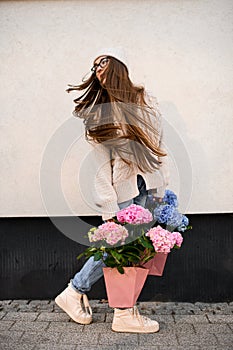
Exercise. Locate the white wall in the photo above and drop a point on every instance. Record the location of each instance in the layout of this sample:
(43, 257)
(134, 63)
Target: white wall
(180, 50)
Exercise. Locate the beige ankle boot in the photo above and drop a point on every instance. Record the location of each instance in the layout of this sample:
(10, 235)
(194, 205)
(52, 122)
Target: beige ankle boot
(129, 320)
(75, 304)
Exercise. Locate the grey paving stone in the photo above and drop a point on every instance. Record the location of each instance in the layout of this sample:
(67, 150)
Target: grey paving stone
(194, 339)
(202, 305)
(169, 308)
(213, 328)
(152, 308)
(11, 345)
(10, 335)
(191, 319)
(54, 347)
(97, 328)
(40, 337)
(24, 316)
(98, 317)
(109, 317)
(220, 305)
(220, 318)
(45, 308)
(162, 318)
(97, 302)
(20, 301)
(148, 307)
(27, 308)
(118, 339)
(5, 325)
(53, 316)
(215, 308)
(39, 302)
(158, 339)
(216, 347)
(65, 327)
(230, 325)
(149, 347)
(78, 338)
(176, 328)
(180, 311)
(225, 339)
(102, 309)
(18, 304)
(97, 347)
(179, 347)
(5, 302)
(2, 314)
(29, 326)
(9, 307)
(56, 308)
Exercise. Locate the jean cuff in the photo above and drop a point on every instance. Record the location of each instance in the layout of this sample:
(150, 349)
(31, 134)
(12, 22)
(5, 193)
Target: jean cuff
(75, 288)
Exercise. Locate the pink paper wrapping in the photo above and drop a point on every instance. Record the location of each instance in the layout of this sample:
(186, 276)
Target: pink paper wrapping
(157, 264)
(123, 289)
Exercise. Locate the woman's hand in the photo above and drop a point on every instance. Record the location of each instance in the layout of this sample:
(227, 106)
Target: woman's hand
(155, 199)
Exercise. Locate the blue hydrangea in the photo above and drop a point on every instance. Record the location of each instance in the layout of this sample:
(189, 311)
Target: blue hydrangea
(184, 223)
(167, 212)
(169, 215)
(170, 198)
(163, 213)
(175, 220)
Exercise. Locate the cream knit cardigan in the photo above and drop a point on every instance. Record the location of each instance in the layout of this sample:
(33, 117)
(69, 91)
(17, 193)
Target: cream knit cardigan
(104, 184)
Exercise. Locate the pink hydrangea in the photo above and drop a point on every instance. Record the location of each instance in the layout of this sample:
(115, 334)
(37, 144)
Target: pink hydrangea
(163, 240)
(134, 214)
(111, 232)
(178, 237)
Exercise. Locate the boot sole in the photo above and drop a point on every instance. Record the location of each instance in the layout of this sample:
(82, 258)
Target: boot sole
(59, 301)
(131, 330)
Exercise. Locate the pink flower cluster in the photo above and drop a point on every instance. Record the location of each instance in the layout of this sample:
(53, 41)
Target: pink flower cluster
(110, 232)
(178, 237)
(163, 240)
(134, 214)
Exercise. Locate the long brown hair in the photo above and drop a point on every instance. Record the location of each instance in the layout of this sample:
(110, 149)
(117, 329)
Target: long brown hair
(116, 114)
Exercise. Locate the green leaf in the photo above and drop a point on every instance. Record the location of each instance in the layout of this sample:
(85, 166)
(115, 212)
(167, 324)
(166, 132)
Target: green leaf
(110, 263)
(80, 255)
(97, 256)
(135, 256)
(120, 269)
(117, 257)
(148, 258)
(147, 244)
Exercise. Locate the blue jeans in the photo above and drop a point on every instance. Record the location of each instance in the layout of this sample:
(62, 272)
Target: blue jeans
(92, 270)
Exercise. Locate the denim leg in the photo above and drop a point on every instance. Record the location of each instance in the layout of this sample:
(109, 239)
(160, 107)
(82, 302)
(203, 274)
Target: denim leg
(142, 197)
(90, 273)
(125, 204)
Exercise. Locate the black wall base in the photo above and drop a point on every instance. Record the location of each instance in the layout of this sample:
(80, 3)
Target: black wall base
(37, 261)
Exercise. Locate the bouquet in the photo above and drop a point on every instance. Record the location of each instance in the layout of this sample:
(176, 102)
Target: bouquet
(167, 214)
(131, 240)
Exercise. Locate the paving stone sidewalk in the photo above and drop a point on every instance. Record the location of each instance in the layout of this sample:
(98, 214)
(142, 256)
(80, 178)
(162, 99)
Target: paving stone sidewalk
(42, 325)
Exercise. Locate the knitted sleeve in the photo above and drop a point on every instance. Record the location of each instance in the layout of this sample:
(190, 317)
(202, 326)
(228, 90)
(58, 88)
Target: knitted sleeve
(105, 197)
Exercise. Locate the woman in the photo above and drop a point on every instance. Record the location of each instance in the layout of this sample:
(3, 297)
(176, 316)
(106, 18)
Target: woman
(123, 127)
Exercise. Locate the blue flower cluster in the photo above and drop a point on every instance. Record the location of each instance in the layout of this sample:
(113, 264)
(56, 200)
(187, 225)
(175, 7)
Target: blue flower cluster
(170, 198)
(167, 213)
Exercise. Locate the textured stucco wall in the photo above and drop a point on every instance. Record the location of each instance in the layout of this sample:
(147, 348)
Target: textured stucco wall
(180, 50)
